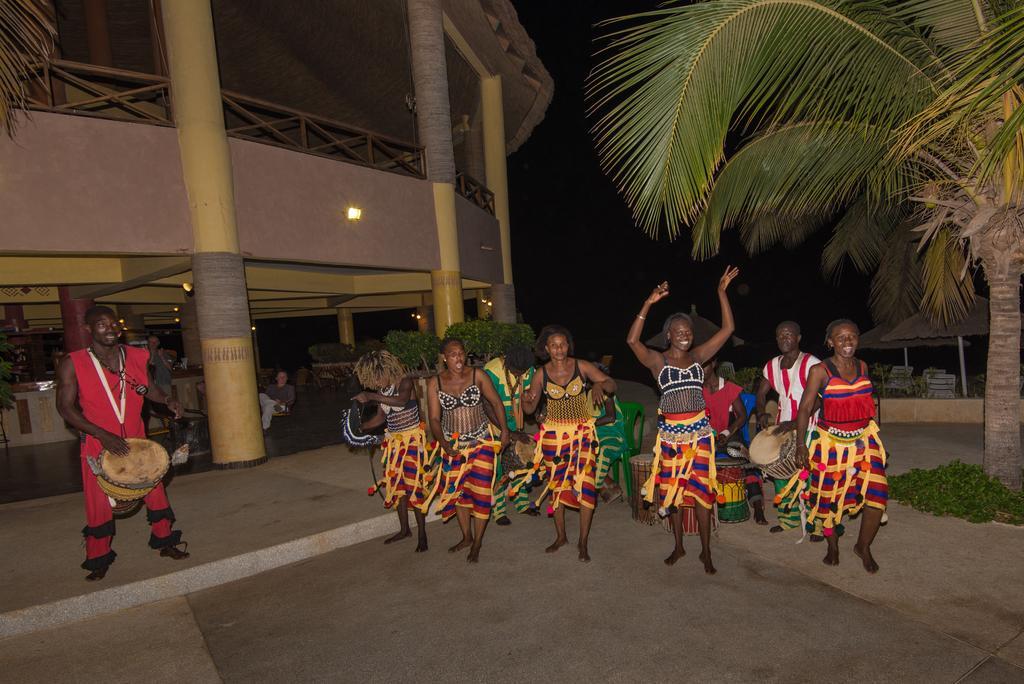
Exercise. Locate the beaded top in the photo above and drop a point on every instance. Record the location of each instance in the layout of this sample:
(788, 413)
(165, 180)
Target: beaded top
(681, 388)
(569, 402)
(400, 418)
(463, 414)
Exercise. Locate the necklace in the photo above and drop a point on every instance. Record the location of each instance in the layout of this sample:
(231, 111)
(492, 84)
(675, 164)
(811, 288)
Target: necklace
(122, 376)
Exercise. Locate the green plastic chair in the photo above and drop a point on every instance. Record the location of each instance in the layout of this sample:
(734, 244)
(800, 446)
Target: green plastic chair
(633, 421)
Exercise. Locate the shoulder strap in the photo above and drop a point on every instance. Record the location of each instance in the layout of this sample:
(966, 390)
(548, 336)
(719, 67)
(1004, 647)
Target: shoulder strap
(830, 368)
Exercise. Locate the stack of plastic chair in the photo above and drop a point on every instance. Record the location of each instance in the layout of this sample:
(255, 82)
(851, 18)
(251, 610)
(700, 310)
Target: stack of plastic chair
(633, 419)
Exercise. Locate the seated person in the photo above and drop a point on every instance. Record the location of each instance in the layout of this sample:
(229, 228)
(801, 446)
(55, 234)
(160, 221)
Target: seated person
(277, 398)
(728, 415)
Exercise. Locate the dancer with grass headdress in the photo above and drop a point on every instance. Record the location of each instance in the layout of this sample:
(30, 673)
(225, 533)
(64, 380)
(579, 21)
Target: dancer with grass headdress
(683, 469)
(846, 458)
(405, 449)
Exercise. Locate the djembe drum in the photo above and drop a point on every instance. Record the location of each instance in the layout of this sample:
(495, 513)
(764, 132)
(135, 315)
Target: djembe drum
(645, 513)
(774, 451)
(127, 479)
(732, 501)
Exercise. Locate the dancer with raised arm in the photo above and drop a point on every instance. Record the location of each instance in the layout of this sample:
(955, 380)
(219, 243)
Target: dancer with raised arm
(684, 454)
(457, 420)
(404, 455)
(567, 448)
(846, 458)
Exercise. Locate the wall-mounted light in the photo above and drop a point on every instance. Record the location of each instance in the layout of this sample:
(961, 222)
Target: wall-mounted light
(417, 316)
(177, 320)
(353, 213)
(187, 287)
(121, 321)
(254, 328)
(176, 309)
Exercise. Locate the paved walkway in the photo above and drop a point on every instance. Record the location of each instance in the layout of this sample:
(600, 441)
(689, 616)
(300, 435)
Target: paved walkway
(947, 606)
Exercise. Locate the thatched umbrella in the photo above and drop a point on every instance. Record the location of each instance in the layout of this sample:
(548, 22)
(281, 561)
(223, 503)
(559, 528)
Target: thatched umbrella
(874, 339)
(703, 330)
(919, 331)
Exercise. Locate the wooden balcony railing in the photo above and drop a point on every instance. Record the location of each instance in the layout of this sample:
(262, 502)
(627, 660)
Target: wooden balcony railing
(474, 191)
(88, 90)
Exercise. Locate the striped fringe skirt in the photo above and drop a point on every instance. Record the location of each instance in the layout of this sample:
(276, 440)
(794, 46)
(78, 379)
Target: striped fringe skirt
(683, 470)
(566, 456)
(403, 462)
(466, 480)
(846, 474)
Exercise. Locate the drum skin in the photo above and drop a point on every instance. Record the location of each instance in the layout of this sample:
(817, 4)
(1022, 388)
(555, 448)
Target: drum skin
(131, 477)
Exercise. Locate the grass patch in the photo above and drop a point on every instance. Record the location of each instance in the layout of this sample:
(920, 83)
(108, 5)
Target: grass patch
(960, 490)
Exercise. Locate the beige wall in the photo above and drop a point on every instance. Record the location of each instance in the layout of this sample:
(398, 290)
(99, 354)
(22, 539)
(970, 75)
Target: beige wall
(476, 228)
(78, 184)
(291, 206)
(935, 411)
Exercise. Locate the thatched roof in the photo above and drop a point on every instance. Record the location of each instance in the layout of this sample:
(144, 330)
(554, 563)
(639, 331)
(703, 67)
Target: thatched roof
(874, 339)
(703, 330)
(918, 328)
(346, 60)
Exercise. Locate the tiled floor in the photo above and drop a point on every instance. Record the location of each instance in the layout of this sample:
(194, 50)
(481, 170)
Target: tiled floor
(32, 472)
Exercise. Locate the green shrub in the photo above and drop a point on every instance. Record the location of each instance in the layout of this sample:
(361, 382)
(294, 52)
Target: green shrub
(747, 378)
(960, 490)
(6, 394)
(332, 352)
(487, 339)
(417, 350)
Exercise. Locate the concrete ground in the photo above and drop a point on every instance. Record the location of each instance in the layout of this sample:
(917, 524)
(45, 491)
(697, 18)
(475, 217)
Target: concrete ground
(773, 613)
(947, 605)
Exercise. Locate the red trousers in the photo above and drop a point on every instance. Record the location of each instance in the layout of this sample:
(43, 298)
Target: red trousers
(99, 521)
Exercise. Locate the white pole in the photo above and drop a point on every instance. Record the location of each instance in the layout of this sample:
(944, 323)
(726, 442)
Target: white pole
(906, 358)
(963, 369)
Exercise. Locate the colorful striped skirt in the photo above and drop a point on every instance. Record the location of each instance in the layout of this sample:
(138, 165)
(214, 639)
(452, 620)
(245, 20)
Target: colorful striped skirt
(683, 470)
(566, 456)
(847, 473)
(403, 462)
(466, 480)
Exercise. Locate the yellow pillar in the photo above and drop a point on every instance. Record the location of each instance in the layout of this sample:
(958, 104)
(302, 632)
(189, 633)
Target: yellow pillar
(219, 274)
(446, 283)
(346, 327)
(502, 294)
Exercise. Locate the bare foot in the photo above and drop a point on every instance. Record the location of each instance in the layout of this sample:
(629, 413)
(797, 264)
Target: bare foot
(466, 542)
(559, 543)
(474, 555)
(398, 536)
(676, 554)
(816, 538)
(865, 555)
(584, 555)
(705, 558)
(421, 546)
(832, 557)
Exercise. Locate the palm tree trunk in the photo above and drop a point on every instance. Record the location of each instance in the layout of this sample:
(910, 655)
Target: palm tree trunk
(1002, 377)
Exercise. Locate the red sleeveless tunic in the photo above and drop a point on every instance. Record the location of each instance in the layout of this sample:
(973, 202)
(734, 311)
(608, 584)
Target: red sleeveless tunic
(95, 405)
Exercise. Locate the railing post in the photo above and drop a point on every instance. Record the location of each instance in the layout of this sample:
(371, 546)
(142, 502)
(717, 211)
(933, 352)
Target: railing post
(369, 150)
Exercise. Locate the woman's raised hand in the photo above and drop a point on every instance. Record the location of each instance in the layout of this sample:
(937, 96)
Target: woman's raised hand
(730, 273)
(659, 293)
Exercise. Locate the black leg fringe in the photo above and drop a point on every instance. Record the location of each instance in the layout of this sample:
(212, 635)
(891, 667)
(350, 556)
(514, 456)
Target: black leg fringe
(173, 539)
(100, 563)
(100, 531)
(162, 514)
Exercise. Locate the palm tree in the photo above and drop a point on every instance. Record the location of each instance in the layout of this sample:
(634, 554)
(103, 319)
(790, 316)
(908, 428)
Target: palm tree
(26, 38)
(896, 123)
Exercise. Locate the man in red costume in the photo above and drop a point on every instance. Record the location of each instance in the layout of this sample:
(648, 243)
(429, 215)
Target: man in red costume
(100, 394)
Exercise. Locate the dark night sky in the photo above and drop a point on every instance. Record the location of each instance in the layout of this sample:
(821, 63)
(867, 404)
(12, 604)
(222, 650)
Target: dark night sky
(579, 260)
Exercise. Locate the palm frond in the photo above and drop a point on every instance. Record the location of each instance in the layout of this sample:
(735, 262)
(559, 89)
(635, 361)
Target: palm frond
(896, 285)
(860, 236)
(671, 86)
(947, 291)
(26, 38)
(991, 70)
(952, 24)
(790, 172)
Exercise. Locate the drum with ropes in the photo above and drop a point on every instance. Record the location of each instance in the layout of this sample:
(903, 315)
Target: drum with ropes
(775, 452)
(732, 492)
(127, 479)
